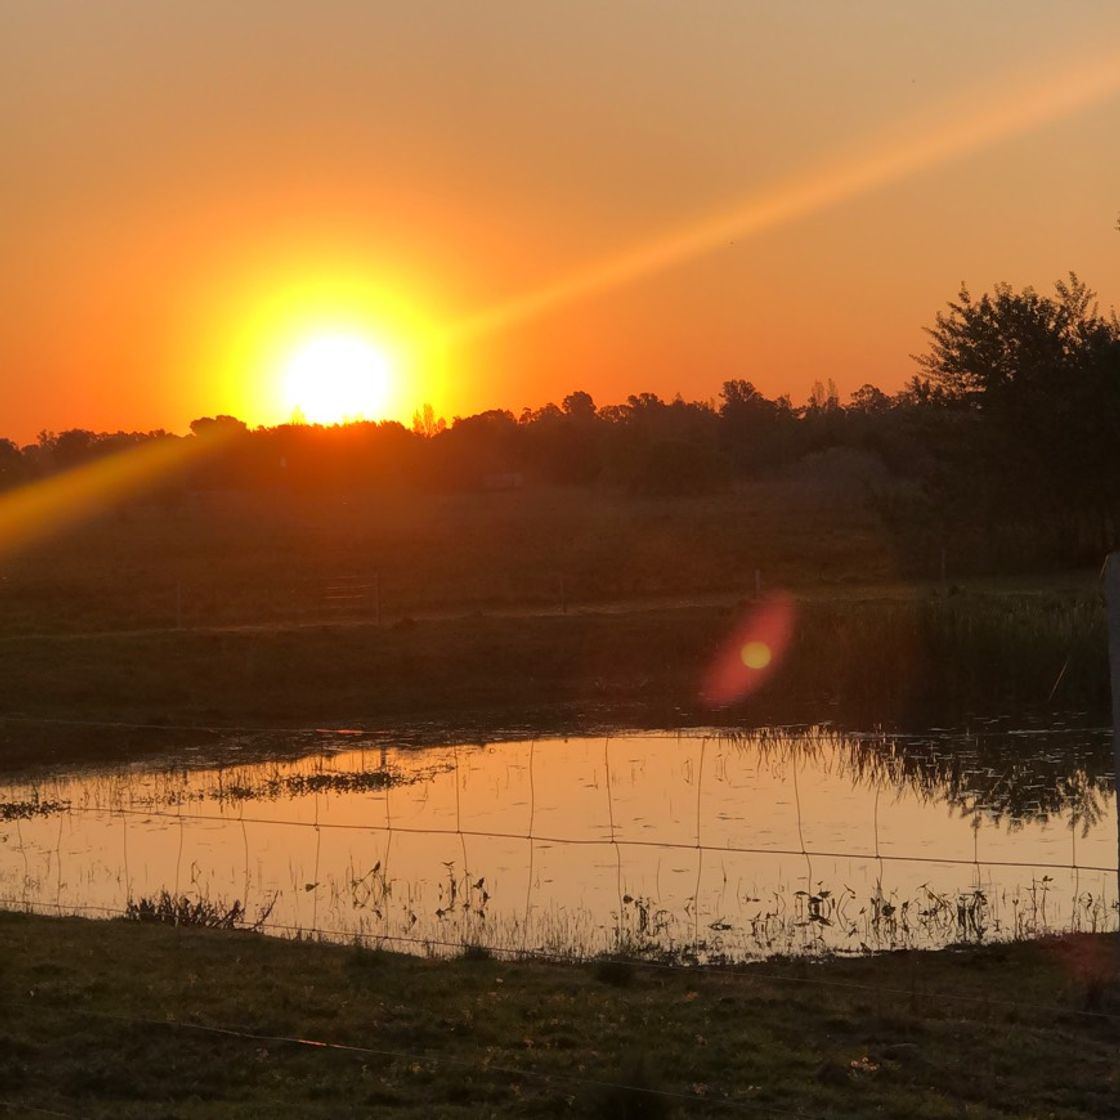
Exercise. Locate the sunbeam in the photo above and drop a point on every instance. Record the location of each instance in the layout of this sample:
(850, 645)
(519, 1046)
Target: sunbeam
(968, 126)
(41, 509)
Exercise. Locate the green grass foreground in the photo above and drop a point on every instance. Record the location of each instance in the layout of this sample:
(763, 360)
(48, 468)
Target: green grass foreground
(94, 1023)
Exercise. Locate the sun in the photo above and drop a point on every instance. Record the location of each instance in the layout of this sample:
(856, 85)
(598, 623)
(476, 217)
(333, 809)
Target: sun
(333, 378)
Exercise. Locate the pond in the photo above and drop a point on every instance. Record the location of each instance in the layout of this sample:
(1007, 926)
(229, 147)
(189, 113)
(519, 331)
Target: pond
(690, 846)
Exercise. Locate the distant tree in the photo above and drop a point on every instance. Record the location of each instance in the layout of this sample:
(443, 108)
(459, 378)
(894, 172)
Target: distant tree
(213, 425)
(476, 446)
(739, 394)
(615, 414)
(920, 391)
(563, 444)
(426, 424)
(73, 447)
(755, 433)
(13, 469)
(579, 405)
(546, 414)
(644, 402)
(870, 400)
(823, 399)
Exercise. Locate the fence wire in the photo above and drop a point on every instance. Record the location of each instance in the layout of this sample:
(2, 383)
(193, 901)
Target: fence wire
(612, 841)
(580, 841)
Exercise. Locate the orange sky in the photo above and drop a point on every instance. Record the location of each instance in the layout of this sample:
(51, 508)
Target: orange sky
(519, 199)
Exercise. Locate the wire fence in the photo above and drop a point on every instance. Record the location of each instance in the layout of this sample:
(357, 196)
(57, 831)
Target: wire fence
(236, 792)
(573, 841)
(231, 813)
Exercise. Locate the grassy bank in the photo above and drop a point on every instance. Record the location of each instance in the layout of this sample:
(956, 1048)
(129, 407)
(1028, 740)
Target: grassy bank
(861, 661)
(91, 1012)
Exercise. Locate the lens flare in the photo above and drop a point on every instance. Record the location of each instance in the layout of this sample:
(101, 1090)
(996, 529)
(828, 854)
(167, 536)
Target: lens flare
(752, 653)
(756, 655)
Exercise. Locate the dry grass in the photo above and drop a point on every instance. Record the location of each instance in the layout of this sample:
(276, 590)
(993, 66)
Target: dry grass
(231, 559)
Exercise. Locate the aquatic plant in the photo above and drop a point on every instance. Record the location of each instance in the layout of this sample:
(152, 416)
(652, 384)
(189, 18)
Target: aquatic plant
(202, 912)
(32, 807)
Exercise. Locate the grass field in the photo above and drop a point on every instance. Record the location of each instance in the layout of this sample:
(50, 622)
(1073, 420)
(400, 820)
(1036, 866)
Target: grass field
(219, 559)
(542, 609)
(98, 1022)
(157, 630)
(859, 662)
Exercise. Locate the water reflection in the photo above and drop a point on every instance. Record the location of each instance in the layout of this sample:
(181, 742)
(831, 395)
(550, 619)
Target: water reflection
(690, 845)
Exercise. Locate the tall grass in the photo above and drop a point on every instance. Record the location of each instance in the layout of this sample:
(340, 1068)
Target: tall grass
(200, 912)
(940, 656)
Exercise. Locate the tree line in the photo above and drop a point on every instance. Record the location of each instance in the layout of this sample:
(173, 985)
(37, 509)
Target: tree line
(1004, 442)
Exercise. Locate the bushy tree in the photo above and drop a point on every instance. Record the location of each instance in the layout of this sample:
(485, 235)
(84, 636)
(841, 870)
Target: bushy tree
(1042, 375)
(1008, 350)
(13, 468)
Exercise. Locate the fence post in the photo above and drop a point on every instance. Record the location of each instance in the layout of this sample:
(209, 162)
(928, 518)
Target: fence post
(1112, 604)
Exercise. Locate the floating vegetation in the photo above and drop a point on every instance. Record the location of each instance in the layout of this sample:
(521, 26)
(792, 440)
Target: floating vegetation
(299, 785)
(32, 807)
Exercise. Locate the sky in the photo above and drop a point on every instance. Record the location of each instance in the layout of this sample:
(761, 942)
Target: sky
(513, 200)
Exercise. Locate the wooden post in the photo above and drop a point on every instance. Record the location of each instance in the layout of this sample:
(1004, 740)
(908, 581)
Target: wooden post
(563, 595)
(1112, 603)
(377, 597)
(179, 605)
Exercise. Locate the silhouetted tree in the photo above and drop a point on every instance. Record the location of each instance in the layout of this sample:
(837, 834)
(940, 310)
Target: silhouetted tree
(579, 405)
(822, 399)
(870, 401)
(755, 433)
(1042, 375)
(1001, 448)
(425, 422)
(212, 425)
(1007, 349)
(13, 468)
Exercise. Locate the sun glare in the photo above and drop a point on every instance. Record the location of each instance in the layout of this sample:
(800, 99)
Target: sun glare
(337, 377)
